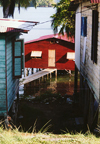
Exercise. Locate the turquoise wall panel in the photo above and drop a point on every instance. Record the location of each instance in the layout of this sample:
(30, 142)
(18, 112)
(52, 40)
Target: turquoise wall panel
(17, 49)
(2, 70)
(2, 86)
(2, 75)
(12, 84)
(17, 66)
(2, 93)
(2, 39)
(2, 52)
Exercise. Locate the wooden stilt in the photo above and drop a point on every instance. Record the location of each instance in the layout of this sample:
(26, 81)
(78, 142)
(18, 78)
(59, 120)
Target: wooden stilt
(47, 76)
(36, 69)
(24, 72)
(56, 75)
(18, 97)
(42, 78)
(34, 83)
(50, 75)
(39, 83)
(70, 72)
(27, 72)
(39, 80)
(75, 84)
(32, 71)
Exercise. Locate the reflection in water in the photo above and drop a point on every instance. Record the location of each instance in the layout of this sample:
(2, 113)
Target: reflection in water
(64, 84)
(46, 100)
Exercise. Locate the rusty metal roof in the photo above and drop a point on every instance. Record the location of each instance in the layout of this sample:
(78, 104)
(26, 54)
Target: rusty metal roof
(12, 25)
(95, 1)
(91, 1)
(57, 36)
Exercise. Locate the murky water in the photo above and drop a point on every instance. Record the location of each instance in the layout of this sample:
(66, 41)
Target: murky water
(64, 84)
(48, 100)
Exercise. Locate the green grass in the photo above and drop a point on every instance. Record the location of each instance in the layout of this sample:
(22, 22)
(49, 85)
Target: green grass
(16, 137)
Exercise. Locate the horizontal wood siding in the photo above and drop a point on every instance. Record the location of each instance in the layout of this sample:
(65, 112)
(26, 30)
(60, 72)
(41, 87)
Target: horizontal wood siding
(90, 70)
(12, 84)
(2, 76)
(61, 48)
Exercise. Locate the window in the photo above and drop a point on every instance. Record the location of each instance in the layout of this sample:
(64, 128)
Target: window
(71, 55)
(18, 58)
(36, 54)
(94, 36)
(84, 26)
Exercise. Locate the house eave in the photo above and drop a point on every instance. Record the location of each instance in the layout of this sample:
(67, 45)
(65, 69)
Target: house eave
(80, 1)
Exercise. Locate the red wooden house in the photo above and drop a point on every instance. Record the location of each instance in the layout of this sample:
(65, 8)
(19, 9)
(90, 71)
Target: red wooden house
(52, 51)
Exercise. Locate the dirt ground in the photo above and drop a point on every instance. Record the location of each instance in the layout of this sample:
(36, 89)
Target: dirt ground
(53, 111)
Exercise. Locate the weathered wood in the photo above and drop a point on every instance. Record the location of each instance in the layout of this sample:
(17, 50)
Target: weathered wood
(47, 76)
(36, 76)
(27, 72)
(12, 84)
(50, 75)
(75, 84)
(51, 58)
(56, 74)
(89, 71)
(2, 75)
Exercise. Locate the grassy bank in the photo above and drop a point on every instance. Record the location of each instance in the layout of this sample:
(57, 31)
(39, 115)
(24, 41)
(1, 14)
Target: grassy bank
(16, 137)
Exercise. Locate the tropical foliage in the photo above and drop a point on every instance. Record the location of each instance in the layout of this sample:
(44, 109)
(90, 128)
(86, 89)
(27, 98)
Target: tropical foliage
(9, 6)
(63, 20)
(44, 3)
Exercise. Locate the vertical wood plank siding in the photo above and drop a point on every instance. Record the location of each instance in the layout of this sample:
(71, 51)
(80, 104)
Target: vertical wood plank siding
(2, 76)
(12, 84)
(90, 69)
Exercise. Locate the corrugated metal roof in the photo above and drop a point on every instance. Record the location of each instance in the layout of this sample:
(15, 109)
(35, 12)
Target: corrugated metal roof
(57, 36)
(12, 25)
(95, 1)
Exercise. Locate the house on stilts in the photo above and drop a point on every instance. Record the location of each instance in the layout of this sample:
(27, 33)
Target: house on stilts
(87, 58)
(50, 51)
(11, 60)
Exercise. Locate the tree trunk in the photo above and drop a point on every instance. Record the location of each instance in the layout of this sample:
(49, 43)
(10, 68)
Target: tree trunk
(6, 12)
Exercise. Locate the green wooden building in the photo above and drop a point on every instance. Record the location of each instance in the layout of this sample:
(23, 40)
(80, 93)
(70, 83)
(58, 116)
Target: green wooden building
(11, 60)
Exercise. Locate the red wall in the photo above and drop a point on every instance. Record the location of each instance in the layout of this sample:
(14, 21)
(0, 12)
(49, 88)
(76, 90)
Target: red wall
(61, 49)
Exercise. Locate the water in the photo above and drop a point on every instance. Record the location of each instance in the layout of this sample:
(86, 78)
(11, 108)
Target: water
(49, 101)
(41, 15)
(64, 85)
(51, 106)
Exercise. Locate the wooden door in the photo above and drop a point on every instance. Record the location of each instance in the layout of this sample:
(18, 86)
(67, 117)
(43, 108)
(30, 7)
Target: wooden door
(51, 58)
